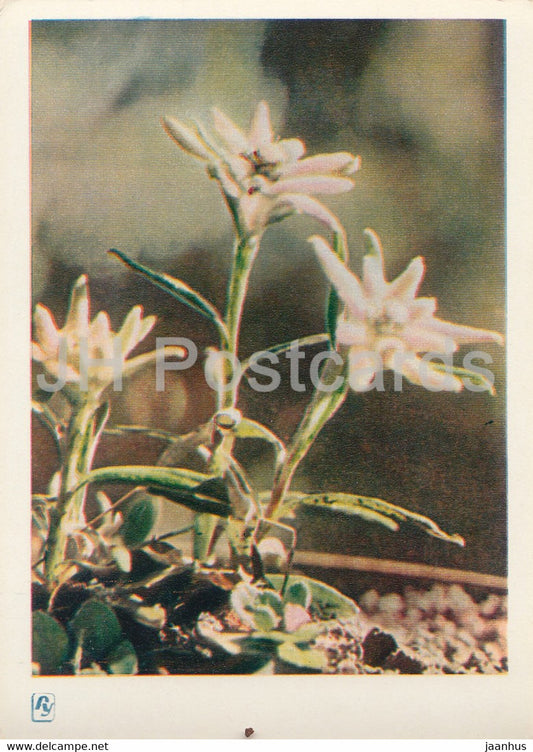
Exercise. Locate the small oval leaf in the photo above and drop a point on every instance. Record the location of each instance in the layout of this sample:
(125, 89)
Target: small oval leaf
(302, 658)
(123, 659)
(330, 603)
(96, 629)
(49, 643)
(139, 519)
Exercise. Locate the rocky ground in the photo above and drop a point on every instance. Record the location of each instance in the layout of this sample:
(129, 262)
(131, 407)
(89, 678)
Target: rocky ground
(440, 630)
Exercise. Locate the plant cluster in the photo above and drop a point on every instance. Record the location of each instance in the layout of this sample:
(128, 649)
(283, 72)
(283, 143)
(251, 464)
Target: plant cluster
(108, 598)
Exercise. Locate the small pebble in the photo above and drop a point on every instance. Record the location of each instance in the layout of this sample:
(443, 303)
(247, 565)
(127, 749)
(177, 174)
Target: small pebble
(392, 603)
(369, 601)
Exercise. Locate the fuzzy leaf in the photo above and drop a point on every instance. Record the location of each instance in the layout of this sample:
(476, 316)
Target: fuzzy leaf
(122, 557)
(49, 642)
(251, 429)
(377, 510)
(264, 618)
(301, 636)
(303, 658)
(272, 599)
(123, 659)
(298, 592)
(96, 628)
(179, 290)
(327, 600)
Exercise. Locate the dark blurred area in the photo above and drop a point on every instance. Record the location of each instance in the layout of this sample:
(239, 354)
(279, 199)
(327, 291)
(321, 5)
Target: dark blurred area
(423, 103)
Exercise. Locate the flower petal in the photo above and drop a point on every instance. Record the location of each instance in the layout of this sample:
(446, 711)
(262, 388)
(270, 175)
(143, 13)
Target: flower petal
(232, 136)
(307, 184)
(340, 163)
(406, 285)
(255, 210)
(186, 138)
(422, 307)
(420, 339)
(363, 366)
(134, 329)
(101, 337)
(46, 332)
(261, 129)
(347, 285)
(147, 324)
(290, 149)
(351, 333)
(374, 282)
(421, 372)
(130, 330)
(229, 186)
(77, 322)
(313, 208)
(37, 353)
(464, 334)
(239, 168)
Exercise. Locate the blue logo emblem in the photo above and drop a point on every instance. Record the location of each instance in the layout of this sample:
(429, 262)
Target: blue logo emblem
(43, 707)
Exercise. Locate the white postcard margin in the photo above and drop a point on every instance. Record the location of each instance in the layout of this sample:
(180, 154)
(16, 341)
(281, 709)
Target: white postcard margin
(181, 707)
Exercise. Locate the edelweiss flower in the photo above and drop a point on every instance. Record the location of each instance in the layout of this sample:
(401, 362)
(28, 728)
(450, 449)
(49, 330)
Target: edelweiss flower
(384, 324)
(64, 352)
(266, 176)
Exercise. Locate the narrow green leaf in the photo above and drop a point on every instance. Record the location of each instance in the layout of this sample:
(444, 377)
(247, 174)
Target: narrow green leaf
(179, 290)
(239, 534)
(375, 510)
(327, 600)
(49, 643)
(477, 379)
(345, 503)
(310, 341)
(332, 305)
(322, 407)
(96, 628)
(179, 485)
(251, 429)
(204, 530)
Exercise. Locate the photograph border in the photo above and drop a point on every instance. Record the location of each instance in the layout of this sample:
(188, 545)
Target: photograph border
(187, 707)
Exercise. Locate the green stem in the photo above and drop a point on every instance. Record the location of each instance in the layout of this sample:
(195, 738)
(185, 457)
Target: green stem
(79, 452)
(246, 249)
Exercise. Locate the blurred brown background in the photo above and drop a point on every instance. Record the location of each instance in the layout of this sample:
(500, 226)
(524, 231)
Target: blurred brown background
(422, 102)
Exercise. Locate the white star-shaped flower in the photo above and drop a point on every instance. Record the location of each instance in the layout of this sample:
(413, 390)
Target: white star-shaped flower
(267, 177)
(384, 325)
(60, 350)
